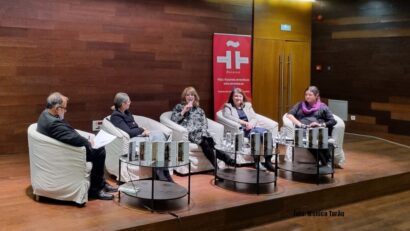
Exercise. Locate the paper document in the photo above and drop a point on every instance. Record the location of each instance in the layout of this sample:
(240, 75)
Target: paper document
(102, 138)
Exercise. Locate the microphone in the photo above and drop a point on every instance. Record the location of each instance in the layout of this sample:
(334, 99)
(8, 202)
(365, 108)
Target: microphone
(191, 102)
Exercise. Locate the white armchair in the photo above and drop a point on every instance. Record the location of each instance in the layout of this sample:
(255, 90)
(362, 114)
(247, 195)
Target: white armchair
(337, 134)
(120, 146)
(233, 127)
(58, 170)
(199, 162)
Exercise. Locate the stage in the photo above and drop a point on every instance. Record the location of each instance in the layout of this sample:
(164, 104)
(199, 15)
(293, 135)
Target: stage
(374, 168)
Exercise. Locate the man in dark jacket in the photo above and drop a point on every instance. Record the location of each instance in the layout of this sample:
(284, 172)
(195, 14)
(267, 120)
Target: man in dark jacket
(51, 123)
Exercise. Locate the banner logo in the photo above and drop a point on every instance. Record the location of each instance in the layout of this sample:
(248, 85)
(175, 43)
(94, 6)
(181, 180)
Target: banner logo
(231, 64)
(227, 59)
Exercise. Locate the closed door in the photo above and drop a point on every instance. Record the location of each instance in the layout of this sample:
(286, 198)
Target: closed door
(281, 72)
(296, 73)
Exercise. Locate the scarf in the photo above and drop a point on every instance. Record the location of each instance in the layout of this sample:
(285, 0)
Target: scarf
(314, 108)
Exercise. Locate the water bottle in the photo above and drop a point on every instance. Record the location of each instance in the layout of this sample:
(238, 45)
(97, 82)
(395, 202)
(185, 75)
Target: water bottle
(228, 139)
(238, 141)
(282, 135)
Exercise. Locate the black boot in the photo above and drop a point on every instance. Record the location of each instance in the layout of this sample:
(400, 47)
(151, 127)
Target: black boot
(325, 158)
(168, 176)
(225, 158)
(160, 174)
(268, 164)
(230, 162)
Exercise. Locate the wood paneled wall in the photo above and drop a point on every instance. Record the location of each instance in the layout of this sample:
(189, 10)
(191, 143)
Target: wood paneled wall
(91, 49)
(270, 15)
(364, 48)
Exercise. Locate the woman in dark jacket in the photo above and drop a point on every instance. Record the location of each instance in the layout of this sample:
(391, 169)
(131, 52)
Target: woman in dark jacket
(312, 113)
(122, 118)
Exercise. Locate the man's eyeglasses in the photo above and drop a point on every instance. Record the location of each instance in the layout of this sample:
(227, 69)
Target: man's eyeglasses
(65, 108)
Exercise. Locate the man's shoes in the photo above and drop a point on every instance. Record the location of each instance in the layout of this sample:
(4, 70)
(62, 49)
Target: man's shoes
(101, 195)
(110, 189)
(268, 165)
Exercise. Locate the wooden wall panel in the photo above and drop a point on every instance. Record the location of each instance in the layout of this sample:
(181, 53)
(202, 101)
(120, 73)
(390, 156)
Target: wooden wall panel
(364, 48)
(280, 55)
(269, 15)
(90, 49)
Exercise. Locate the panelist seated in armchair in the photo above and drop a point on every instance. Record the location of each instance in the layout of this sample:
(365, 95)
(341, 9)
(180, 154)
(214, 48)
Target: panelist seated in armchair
(312, 113)
(52, 124)
(189, 115)
(239, 110)
(122, 118)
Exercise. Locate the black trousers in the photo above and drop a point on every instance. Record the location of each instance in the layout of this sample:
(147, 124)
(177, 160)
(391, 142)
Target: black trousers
(323, 154)
(97, 158)
(259, 131)
(208, 147)
(163, 174)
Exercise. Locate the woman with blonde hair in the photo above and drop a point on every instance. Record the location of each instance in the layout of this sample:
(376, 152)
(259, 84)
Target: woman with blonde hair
(189, 115)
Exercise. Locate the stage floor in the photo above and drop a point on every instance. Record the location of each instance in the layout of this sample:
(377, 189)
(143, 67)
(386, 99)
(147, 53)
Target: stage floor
(370, 162)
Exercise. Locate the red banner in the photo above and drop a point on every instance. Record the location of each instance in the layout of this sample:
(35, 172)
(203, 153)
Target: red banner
(232, 66)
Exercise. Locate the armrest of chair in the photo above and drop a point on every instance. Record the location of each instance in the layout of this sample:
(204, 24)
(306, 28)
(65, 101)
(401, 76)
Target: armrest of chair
(287, 123)
(179, 133)
(267, 123)
(216, 130)
(49, 142)
(230, 125)
(120, 143)
(110, 128)
(153, 125)
(338, 131)
(63, 152)
(48, 153)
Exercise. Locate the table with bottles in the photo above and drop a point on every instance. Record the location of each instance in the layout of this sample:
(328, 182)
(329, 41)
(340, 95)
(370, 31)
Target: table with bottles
(236, 144)
(314, 139)
(152, 189)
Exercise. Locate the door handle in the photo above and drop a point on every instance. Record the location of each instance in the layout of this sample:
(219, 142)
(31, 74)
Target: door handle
(281, 85)
(289, 80)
